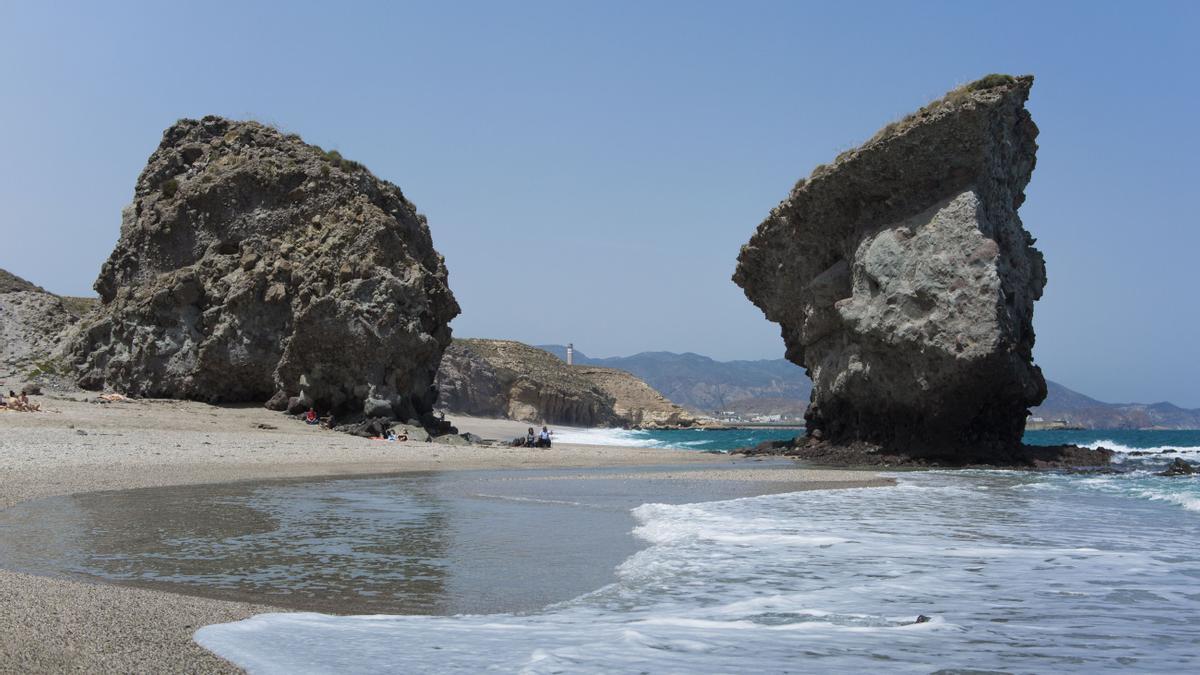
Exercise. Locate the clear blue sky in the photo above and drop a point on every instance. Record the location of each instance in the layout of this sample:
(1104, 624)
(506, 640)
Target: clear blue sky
(590, 169)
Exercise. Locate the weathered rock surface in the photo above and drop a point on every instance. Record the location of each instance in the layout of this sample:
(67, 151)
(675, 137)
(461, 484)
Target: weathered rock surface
(635, 402)
(904, 281)
(253, 266)
(502, 378)
(33, 321)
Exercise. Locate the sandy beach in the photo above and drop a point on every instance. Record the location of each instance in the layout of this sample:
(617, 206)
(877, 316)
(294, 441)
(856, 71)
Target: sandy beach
(76, 446)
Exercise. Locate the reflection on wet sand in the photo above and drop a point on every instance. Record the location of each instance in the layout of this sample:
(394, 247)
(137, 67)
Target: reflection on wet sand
(436, 543)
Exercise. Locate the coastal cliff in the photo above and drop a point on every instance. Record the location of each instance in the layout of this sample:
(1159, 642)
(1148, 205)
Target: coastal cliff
(903, 280)
(635, 402)
(253, 266)
(33, 323)
(502, 378)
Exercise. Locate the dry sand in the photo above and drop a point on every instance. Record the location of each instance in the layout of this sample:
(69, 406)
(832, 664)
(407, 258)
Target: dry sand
(58, 625)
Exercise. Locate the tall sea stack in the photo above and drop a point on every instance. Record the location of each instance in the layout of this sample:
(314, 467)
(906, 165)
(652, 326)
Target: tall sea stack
(253, 266)
(903, 280)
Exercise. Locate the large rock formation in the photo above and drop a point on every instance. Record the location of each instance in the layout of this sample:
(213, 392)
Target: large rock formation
(904, 281)
(501, 378)
(253, 266)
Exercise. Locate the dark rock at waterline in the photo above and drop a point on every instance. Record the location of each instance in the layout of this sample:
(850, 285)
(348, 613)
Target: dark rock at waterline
(904, 281)
(1179, 467)
(921, 618)
(255, 267)
(767, 447)
(503, 378)
(1093, 470)
(864, 454)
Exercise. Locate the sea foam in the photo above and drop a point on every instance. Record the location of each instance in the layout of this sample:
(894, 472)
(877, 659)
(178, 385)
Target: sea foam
(1070, 580)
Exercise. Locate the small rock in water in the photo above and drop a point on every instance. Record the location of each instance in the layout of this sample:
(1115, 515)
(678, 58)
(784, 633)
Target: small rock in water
(81, 432)
(1179, 467)
(921, 618)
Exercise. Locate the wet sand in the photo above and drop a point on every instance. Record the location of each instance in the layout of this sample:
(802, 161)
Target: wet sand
(64, 625)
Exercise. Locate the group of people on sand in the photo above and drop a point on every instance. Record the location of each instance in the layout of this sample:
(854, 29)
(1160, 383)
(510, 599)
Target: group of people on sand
(326, 422)
(19, 403)
(311, 418)
(532, 440)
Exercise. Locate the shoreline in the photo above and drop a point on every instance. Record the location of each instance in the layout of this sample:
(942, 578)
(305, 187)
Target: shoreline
(54, 624)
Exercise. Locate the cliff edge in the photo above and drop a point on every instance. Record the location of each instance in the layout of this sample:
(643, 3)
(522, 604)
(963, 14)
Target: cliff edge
(503, 378)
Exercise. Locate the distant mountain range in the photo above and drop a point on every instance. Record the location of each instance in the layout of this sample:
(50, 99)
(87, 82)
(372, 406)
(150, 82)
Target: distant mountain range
(1064, 404)
(703, 384)
(776, 386)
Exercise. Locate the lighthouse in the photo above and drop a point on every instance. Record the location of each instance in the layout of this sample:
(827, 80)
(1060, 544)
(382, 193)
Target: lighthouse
(571, 354)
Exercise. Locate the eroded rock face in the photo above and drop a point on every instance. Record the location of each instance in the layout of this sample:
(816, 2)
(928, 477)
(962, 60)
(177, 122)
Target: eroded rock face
(502, 378)
(253, 266)
(33, 322)
(904, 281)
(634, 401)
(506, 379)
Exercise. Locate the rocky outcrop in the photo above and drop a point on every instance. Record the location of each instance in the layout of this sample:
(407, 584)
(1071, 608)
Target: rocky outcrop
(635, 402)
(502, 378)
(1178, 467)
(33, 322)
(863, 454)
(904, 281)
(253, 266)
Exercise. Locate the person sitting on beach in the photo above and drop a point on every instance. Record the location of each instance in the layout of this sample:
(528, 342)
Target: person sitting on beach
(544, 438)
(530, 439)
(310, 417)
(26, 405)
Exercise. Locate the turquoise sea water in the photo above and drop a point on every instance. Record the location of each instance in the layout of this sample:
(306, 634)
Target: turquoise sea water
(1019, 572)
(730, 439)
